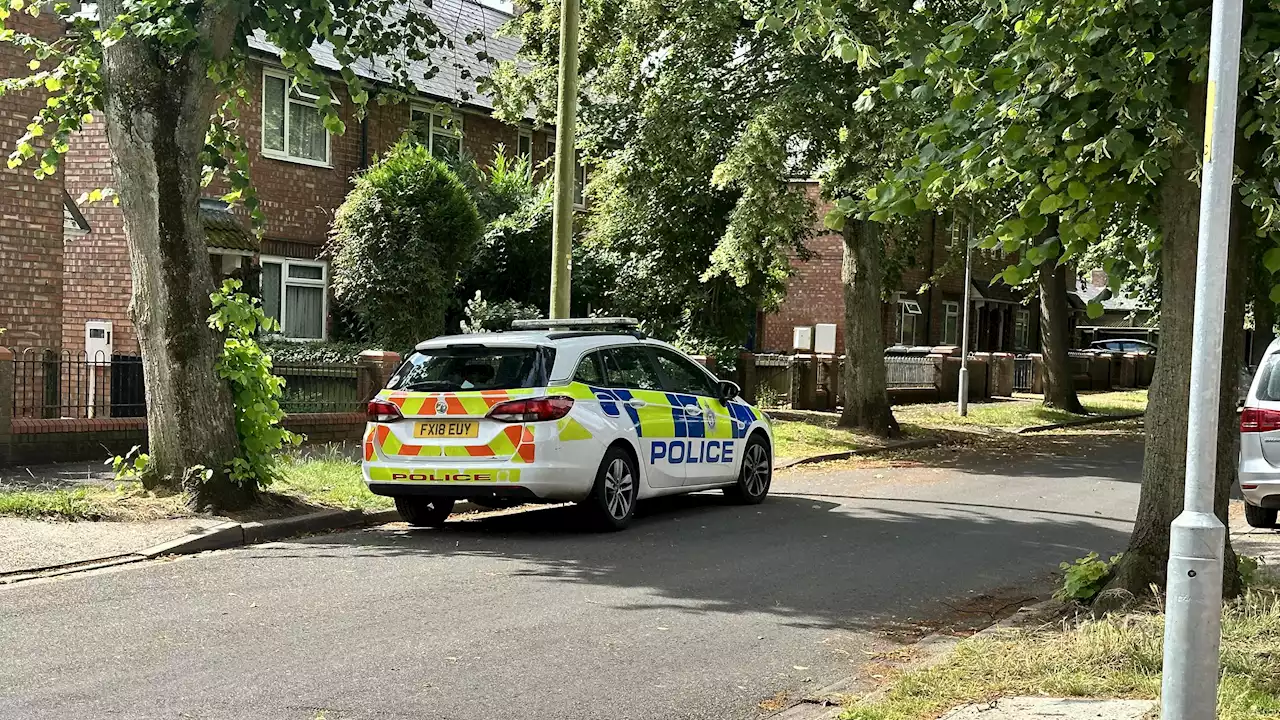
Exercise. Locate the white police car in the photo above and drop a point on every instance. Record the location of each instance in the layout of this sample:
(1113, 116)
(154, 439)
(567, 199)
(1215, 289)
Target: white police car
(587, 411)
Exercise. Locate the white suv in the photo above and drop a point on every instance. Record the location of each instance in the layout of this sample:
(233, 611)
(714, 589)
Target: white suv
(1260, 443)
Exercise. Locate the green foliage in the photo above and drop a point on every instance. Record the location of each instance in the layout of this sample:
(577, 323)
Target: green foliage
(1084, 579)
(1250, 569)
(769, 397)
(333, 352)
(255, 390)
(399, 242)
(486, 316)
(70, 68)
(693, 216)
(130, 466)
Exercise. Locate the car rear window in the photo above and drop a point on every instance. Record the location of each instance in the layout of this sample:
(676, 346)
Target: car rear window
(473, 367)
(1269, 379)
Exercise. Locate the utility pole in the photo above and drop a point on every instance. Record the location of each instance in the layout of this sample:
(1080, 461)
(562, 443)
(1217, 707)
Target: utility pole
(566, 154)
(963, 400)
(1193, 605)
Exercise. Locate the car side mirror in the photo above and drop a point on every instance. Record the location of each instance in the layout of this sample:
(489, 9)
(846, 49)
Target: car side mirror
(729, 390)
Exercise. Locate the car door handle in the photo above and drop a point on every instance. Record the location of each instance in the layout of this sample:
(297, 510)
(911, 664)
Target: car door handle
(692, 410)
(636, 403)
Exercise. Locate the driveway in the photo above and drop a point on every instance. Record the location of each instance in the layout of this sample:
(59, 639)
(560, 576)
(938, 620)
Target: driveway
(701, 610)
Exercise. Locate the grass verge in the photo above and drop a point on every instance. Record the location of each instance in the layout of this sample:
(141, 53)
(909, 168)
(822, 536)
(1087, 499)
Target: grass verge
(1020, 413)
(127, 502)
(323, 478)
(1118, 657)
(328, 479)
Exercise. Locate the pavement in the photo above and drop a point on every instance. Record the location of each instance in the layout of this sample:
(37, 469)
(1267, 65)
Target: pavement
(700, 610)
(40, 543)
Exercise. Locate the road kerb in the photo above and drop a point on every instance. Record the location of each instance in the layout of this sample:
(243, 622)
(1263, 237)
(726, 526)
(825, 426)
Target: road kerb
(860, 452)
(1096, 420)
(216, 537)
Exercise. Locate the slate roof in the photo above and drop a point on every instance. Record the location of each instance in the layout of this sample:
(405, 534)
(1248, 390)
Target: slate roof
(456, 19)
(223, 230)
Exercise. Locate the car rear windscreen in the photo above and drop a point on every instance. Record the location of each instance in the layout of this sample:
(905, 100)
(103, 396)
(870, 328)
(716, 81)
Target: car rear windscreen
(459, 368)
(1269, 379)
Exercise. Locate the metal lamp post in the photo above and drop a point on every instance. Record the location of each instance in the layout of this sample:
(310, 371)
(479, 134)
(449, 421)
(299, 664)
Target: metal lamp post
(1193, 608)
(566, 116)
(963, 400)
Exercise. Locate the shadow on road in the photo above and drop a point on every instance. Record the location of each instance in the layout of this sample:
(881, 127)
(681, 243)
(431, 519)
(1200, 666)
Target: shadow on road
(815, 562)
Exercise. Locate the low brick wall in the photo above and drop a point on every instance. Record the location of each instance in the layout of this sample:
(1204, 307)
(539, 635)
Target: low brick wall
(36, 442)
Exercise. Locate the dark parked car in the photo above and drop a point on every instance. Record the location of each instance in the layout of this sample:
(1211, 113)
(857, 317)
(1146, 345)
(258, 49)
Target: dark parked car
(1139, 347)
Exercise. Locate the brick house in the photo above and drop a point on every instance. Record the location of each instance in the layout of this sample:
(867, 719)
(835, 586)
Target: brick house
(1001, 318)
(64, 266)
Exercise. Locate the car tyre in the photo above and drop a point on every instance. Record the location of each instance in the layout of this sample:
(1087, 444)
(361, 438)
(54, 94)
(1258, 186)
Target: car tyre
(424, 511)
(1259, 517)
(612, 502)
(756, 474)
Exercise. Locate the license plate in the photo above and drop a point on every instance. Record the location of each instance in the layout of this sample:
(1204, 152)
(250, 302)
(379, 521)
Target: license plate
(445, 430)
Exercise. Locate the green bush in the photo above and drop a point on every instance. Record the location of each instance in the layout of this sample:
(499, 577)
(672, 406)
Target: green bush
(313, 353)
(486, 316)
(398, 244)
(255, 390)
(1084, 579)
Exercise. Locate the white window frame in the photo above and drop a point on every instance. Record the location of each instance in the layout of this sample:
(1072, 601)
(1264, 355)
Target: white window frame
(579, 174)
(526, 135)
(950, 309)
(907, 308)
(292, 94)
(457, 126)
(286, 281)
(1023, 315)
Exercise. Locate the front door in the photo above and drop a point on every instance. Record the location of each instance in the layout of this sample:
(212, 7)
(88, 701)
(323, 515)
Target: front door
(633, 378)
(703, 424)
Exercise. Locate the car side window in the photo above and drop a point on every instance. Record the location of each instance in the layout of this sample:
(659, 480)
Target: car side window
(589, 372)
(630, 368)
(683, 376)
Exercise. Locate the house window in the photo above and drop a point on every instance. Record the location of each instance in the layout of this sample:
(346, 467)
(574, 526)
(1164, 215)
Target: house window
(579, 176)
(908, 313)
(1021, 329)
(295, 292)
(950, 323)
(442, 134)
(292, 124)
(524, 148)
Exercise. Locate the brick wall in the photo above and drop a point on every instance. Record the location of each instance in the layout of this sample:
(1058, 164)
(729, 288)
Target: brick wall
(95, 265)
(30, 214)
(815, 294)
(298, 200)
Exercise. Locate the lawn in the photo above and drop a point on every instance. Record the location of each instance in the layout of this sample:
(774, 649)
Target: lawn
(1023, 412)
(817, 434)
(1118, 657)
(328, 479)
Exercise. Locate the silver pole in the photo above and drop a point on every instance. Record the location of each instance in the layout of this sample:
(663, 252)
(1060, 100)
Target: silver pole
(1192, 628)
(963, 400)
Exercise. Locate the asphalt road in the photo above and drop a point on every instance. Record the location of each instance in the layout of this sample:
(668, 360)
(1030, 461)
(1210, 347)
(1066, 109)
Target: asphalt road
(700, 610)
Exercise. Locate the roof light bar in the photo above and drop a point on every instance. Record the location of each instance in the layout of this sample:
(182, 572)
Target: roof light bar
(576, 324)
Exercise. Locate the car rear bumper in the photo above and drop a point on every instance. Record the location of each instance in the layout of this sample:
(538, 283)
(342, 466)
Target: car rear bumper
(550, 482)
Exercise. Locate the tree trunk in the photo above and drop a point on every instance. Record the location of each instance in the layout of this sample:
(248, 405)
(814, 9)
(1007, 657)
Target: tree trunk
(866, 401)
(1264, 315)
(157, 115)
(1055, 339)
(1164, 463)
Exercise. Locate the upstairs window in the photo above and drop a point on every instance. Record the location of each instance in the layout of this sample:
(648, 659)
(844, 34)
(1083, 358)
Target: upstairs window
(292, 123)
(442, 134)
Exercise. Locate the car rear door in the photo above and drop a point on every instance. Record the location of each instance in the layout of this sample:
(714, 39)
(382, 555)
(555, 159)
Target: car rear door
(703, 422)
(633, 378)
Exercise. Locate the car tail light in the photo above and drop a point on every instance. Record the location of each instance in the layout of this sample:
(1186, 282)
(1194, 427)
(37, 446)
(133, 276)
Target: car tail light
(532, 410)
(1259, 420)
(381, 411)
